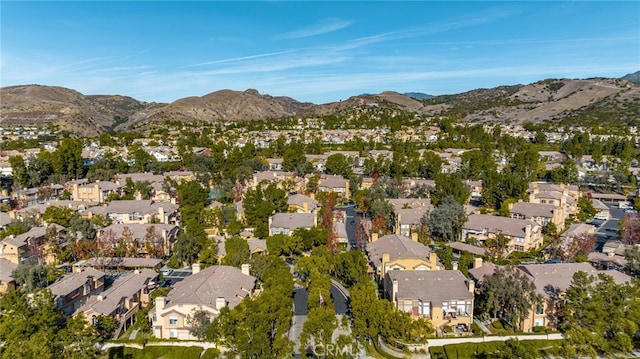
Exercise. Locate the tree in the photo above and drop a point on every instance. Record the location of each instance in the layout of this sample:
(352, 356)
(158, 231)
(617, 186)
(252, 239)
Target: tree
(237, 252)
(586, 209)
(104, 326)
(320, 324)
(198, 322)
(512, 348)
(507, 294)
(601, 316)
(58, 215)
(632, 255)
(445, 254)
(19, 170)
(497, 245)
(338, 164)
(67, 158)
(38, 330)
(260, 203)
(450, 185)
(631, 229)
(33, 275)
(258, 326)
(446, 221)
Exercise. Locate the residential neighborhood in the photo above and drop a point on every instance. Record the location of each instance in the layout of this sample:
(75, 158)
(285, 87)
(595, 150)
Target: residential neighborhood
(251, 228)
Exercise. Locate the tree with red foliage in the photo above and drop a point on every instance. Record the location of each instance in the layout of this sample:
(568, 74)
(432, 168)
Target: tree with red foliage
(631, 229)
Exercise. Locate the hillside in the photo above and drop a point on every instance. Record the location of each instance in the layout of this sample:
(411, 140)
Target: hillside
(594, 100)
(66, 108)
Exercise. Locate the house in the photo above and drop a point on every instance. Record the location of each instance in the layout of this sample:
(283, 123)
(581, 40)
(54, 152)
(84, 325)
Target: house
(7, 282)
(286, 223)
(133, 211)
(443, 297)
(603, 211)
(460, 247)
(17, 248)
(339, 229)
(209, 290)
(561, 195)
(522, 234)
(397, 252)
(95, 192)
(71, 291)
(122, 300)
(551, 281)
(300, 203)
(275, 164)
(408, 214)
(542, 214)
(334, 184)
(144, 239)
(180, 176)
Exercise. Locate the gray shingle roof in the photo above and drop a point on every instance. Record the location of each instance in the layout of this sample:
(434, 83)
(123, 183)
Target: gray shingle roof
(205, 286)
(527, 209)
(70, 282)
(123, 287)
(559, 276)
(397, 246)
(508, 226)
(435, 286)
(293, 220)
(6, 269)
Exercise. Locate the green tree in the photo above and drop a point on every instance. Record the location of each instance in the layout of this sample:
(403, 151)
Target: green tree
(507, 294)
(58, 215)
(338, 164)
(237, 252)
(446, 221)
(19, 170)
(450, 185)
(260, 203)
(320, 324)
(67, 158)
(198, 322)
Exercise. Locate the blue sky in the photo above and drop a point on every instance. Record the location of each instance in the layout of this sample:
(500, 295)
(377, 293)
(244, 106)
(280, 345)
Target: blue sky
(312, 51)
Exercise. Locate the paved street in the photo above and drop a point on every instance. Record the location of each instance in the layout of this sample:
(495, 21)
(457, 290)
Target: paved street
(609, 229)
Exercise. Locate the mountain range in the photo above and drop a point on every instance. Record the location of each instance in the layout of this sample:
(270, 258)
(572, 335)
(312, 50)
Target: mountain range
(592, 100)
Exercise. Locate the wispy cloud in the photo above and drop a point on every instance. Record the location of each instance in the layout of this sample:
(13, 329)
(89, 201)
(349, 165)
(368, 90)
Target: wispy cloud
(323, 27)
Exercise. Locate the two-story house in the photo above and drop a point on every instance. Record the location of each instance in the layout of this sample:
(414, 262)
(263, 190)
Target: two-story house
(94, 192)
(286, 223)
(122, 300)
(396, 252)
(542, 214)
(71, 291)
(133, 211)
(443, 297)
(522, 234)
(209, 290)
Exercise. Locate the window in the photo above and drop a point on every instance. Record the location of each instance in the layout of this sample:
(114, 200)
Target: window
(155, 319)
(173, 333)
(424, 308)
(540, 309)
(173, 320)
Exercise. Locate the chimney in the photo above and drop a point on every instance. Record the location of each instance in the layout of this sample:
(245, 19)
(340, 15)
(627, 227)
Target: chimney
(160, 302)
(195, 268)
(433, 260)
(246, 269)
(394, 291)
(611, 254)
(305, 206)
(414, 236)
(477, 262)
(374, 237)
(454, 265)
(472, 286)
(161, 215)
(100, 298)
(220, 303)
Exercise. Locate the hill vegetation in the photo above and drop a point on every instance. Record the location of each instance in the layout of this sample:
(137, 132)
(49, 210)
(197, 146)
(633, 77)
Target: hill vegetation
(566, 101)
